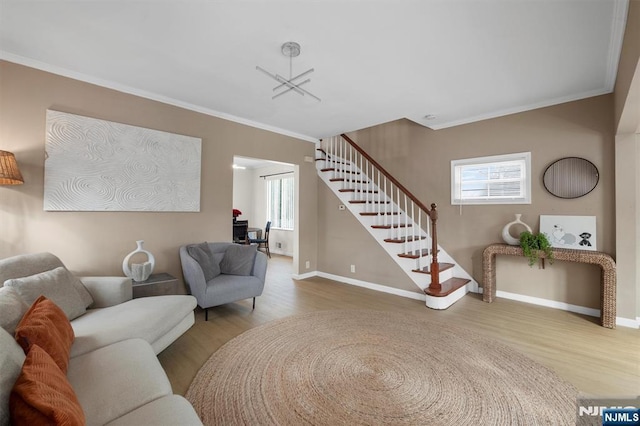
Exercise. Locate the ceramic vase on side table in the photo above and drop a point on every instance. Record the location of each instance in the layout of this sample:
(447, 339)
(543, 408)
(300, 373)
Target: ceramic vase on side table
(139, 271)
(506, 235)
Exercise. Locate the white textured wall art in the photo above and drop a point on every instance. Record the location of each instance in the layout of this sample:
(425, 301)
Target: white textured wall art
(97, 165)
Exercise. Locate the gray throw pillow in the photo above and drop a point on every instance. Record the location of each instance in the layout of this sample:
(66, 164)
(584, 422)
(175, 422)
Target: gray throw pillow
(238, 259)
(12, 308)
(202, 254)
(56, 285)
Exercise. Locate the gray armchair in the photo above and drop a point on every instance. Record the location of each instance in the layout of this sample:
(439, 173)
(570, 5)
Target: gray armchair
(223, 288)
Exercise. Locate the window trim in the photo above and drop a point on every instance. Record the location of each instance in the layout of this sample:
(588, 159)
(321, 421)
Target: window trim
(519, 156)
(274, 223)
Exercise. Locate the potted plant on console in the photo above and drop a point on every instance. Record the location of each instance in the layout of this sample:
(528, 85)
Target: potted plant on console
(535, 246)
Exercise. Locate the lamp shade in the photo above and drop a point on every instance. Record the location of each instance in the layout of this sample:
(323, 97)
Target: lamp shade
(9, 172)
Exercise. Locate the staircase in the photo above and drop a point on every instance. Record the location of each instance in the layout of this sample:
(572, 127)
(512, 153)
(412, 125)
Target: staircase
(403, 226)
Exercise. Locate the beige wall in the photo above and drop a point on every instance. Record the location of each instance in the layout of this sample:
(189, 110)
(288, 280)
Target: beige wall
(420, 159)
(96, 242)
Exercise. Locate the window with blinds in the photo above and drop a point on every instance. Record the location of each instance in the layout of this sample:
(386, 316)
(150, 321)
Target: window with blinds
(498, 179)
(280, 204)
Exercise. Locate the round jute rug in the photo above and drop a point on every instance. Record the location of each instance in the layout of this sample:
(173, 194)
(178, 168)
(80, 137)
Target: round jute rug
(370, 367)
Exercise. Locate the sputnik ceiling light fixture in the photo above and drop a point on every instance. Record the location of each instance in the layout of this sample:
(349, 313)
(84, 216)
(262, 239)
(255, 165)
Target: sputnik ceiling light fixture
(290, 49)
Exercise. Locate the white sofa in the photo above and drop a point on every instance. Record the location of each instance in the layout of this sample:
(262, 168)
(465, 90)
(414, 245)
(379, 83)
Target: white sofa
(113, 368)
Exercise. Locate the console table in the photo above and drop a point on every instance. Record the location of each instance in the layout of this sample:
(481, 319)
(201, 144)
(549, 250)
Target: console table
(606, 263)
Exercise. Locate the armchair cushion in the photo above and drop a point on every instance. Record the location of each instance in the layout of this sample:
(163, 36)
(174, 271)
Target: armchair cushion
(56, 284)
(238, 260)
(202, 254)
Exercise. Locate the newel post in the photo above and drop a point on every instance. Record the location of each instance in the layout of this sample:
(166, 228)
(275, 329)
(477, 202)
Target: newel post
(435, 266)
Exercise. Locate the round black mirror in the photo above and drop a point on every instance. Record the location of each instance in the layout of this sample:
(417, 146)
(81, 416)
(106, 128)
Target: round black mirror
(571, 177)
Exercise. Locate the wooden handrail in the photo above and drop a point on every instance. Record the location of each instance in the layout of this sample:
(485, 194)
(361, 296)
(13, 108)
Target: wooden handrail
(386, 174)
(434, 268)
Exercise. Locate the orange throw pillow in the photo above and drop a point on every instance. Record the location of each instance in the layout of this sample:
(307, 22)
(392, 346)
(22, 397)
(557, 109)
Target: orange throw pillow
(42, 394)
(47, 326)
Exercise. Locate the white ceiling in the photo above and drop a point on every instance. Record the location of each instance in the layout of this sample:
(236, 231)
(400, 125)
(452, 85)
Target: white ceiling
(374, 61)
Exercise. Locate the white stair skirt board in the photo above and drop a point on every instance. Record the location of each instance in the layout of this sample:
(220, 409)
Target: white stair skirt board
(407, 265)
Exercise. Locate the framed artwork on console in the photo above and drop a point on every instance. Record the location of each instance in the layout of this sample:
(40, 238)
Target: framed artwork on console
(570, 232)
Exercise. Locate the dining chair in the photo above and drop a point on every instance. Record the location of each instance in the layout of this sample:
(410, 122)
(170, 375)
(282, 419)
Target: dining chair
(263, 242)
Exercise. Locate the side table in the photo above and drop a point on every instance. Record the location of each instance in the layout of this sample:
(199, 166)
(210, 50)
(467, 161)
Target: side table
(156, 285)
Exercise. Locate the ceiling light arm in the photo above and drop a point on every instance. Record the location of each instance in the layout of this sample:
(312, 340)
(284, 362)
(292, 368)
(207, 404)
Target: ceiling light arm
(292, 88)
(291, 80)
(280, 79)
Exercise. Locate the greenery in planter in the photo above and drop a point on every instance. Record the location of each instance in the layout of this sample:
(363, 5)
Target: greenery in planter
(534, 245)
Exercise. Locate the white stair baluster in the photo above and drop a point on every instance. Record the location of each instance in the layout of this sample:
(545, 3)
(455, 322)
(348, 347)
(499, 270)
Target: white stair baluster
(420, 240)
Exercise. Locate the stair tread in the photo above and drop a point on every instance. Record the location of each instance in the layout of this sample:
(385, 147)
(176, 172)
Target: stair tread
(358, 190)
(348, 180)
(332, 169)
(368, 202)
(394, 226)
(427, 270)
(416, 254)
(402, 240)
(378, 213)
(335, 162)
(447, 287)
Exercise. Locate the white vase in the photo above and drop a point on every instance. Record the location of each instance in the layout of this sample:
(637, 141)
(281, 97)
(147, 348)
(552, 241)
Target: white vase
(141, 271)
(506, 235)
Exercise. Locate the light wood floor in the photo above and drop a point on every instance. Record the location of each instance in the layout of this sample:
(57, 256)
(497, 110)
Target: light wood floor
(598, 361)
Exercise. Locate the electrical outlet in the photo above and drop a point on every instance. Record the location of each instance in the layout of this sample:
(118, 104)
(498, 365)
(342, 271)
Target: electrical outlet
(353, 269)
(341, 207)
(278, 245)
(307, 264)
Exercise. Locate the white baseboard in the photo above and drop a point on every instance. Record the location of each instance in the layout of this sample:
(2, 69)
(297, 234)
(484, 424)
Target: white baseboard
(628, 322)
(365, 284)
(624, 322)
(280, 252)
(549, 303)
(305, 275)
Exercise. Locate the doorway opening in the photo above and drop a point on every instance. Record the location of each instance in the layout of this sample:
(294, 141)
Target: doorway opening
(266, 190)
